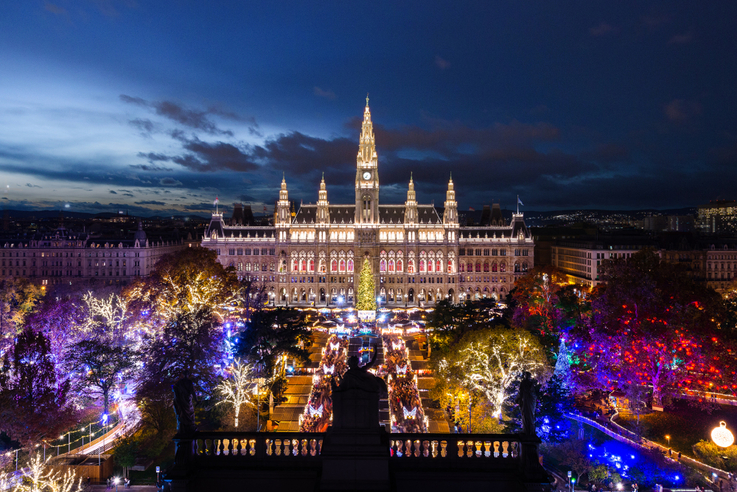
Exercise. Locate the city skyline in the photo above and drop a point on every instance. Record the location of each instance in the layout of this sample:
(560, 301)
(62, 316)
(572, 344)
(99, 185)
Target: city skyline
(159, 109)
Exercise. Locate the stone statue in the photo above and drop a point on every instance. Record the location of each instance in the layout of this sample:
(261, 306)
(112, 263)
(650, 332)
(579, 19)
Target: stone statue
(359, 378)
(184, 401)
(527, 402)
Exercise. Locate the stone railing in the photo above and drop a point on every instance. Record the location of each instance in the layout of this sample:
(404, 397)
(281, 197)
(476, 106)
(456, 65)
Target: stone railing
(488, 448)
(225, 446)
(484, 450)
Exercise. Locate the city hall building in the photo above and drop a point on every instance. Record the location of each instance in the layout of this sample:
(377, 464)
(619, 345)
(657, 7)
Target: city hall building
(419, 254)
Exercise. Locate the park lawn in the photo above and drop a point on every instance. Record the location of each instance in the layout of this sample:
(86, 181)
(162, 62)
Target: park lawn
(685, 424)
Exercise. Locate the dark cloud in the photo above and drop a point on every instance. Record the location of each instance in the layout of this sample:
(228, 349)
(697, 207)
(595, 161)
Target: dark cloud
(133, 100)
(145, 125)
(206, 206)
(322, 93)
(113, 192)
(219, 156)
(150, 202)
(247, 198)
(152, 168)
(169, 182)
(29, 185)
(191, 118)
(153, 156)
(129, 195)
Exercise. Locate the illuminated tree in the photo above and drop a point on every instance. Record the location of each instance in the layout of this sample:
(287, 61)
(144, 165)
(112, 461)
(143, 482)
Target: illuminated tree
(104, 316)
(38, 477)
(189, 282)
(99, 366)
(489, 361)
(268, 340)
(33, 402)
(59, 319)
(237, 388)
(548, 305)
(366, 300)
(449, 322)
(18, 298)
(190, 345)
(654, 326)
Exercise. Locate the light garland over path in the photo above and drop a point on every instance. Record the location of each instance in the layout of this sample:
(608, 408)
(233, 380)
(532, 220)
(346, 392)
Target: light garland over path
(318, 412)
(405, 405)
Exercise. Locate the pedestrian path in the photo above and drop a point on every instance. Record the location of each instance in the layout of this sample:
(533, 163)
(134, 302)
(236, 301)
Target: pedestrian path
(298, 388)
(628, 437)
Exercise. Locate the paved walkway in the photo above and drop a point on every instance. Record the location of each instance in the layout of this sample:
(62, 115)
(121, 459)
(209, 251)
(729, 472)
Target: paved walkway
(628, 437)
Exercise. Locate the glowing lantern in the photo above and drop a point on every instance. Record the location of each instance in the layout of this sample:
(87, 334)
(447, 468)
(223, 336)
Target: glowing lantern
(721, 436)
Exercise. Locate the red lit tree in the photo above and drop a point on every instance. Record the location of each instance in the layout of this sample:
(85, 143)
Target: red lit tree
(653, 326)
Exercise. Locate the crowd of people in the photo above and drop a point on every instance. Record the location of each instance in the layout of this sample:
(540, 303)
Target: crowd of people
(319, 408)
(404, 398)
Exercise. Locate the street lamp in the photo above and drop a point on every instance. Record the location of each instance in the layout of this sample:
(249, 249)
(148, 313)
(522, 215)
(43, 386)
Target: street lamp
(667, 438)
(569, 479)
(116, 481)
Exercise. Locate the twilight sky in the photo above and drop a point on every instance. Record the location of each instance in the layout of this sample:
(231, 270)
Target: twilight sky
(160, 106)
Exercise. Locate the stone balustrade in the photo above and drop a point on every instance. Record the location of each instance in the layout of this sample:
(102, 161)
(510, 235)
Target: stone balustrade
(236, 445)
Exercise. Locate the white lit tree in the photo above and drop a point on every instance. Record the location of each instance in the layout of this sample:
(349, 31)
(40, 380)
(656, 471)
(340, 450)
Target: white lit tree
(38, 477)
(488, 362)
(105, 316)
(237, 388)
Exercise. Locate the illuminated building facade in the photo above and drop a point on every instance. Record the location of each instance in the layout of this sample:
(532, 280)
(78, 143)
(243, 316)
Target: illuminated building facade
(65, 256)
(419, 253)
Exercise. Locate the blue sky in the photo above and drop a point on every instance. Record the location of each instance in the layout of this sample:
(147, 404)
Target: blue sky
(160, 106)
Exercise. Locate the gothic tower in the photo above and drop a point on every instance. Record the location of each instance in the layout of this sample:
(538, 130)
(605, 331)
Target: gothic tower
(367, 174)
(323, 212)
(283, 217)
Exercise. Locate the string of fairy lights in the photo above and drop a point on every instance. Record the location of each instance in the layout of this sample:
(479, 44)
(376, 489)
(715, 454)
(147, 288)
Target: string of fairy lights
(87, 435)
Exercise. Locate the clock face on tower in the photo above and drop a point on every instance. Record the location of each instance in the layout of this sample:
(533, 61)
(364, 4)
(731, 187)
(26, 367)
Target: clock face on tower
(366, 175)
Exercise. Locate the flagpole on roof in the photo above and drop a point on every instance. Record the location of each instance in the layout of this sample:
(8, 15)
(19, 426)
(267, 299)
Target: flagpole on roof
(517, 204)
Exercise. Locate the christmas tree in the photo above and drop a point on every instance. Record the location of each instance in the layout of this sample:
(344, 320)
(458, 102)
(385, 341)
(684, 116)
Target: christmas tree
(366, 289)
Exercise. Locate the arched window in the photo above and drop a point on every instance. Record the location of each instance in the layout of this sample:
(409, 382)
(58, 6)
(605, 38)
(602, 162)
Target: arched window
(450, 266)
(439, 266)
(399, 265)
(422, 266)
(302, 265)
(469, 267)
(295, 266)
(493, 267)
(410, 266)
(502, 267)
(334, 266)
(461, 267)
(391, 266)
(312, 266)
(478, 267)
(350, 266)
(486, 267)
(342, 265)
(382, 265)
(430, 265)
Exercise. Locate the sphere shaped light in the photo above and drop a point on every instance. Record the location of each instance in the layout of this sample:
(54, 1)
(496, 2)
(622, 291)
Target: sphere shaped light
(722, 436)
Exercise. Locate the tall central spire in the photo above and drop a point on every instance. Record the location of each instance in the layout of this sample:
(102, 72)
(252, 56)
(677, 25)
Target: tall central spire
(367, 173)
(367, 147)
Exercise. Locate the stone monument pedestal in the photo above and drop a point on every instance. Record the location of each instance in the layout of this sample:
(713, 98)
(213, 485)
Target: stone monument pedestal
(355, 450)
